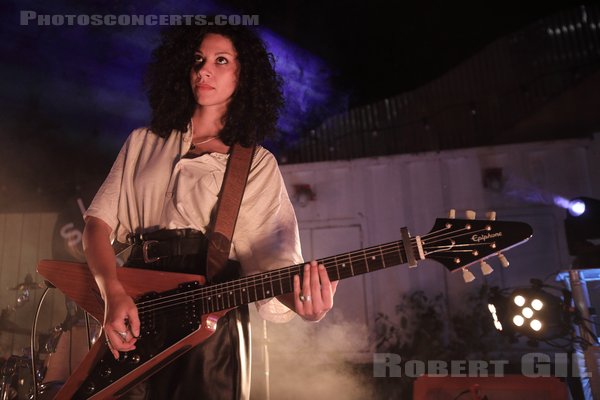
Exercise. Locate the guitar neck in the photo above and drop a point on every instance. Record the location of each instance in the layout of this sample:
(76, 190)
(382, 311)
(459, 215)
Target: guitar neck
(455, 243)
(274, 283)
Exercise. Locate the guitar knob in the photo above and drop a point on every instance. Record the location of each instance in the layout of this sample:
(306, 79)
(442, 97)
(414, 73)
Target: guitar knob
(468, 275)
(470, 214)
(452, 213)
(486, 269)
(90, 387)
(503, 260)
(491, 215)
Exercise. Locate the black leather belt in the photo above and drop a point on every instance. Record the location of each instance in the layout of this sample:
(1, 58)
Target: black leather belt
(164, 243)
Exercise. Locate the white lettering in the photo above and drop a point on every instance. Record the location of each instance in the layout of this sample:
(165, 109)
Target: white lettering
(384, 362)
(414, 368)
(499, 366)
(478, 368)
(486, 236)
(535, 365)
(437, 367)
(27, 16)
(457, 368)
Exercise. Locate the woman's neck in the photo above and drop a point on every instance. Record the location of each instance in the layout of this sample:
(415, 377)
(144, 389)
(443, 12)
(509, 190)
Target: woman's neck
(206, 122)
(206, 125)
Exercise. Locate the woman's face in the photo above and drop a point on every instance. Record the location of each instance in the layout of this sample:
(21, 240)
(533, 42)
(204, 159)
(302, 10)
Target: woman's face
(215, 72)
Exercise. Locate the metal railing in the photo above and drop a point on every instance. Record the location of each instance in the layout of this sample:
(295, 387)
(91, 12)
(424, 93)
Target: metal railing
(472, 104)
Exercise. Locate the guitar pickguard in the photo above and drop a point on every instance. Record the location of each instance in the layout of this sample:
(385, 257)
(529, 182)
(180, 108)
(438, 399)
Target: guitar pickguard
(163, 324)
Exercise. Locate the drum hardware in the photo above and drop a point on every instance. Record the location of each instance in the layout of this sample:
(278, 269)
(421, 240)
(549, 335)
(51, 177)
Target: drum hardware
(59, 344)
(22, 379)
(33, 352)
(25, 289)
(28, 284)
(51, 340)
(16, 383)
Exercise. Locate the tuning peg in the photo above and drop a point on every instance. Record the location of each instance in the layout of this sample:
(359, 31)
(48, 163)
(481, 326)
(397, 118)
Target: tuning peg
(468, 275)
(491, 215)
(503, 260)
(470, 214)
(486, 269)
(452, 213)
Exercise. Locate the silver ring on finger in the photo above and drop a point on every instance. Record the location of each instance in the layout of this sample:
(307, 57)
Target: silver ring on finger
(304, 298)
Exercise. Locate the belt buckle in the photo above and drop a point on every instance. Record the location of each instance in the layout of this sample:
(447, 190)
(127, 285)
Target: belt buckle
(145, 246)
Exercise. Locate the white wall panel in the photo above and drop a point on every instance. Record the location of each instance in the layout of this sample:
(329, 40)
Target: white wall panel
(412, 190)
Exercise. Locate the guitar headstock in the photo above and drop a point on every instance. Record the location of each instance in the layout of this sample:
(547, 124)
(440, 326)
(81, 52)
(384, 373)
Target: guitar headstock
(457, 243)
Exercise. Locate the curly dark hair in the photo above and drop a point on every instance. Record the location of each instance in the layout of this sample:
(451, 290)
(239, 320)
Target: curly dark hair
(254, 108)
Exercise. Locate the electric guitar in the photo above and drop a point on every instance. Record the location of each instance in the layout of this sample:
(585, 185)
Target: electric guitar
(177, 311)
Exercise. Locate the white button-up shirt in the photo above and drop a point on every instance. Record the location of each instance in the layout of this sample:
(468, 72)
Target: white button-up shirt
(151, 187)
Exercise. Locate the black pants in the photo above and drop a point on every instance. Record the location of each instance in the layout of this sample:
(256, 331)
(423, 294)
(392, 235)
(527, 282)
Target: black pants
(218, 368)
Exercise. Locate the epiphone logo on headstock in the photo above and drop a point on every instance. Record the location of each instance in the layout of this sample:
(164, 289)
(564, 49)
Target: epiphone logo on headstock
(486, 236)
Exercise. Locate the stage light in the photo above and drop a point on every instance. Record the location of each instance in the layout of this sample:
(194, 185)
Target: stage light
(498, 325)
(519, 300)
(530, 312)
(576, 208)
(582, 229)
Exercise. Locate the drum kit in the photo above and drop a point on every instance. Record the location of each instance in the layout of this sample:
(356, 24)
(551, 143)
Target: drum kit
(39, 374)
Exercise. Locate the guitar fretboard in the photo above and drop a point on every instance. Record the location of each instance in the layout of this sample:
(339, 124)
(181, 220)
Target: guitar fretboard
(274, 283)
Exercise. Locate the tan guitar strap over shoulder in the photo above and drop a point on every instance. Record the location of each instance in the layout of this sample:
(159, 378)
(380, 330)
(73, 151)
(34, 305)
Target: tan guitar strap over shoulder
(228, 207)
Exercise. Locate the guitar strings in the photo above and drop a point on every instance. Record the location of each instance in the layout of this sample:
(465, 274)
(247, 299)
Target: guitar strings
(218, 289)
(254, 279)
(244, 281)
(284, 275)
(275, 276)
(267, 277)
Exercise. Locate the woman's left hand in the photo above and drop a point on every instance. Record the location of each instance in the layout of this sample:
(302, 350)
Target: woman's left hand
(314, 298)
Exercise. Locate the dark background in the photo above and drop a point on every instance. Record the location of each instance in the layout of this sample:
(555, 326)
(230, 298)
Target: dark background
(70, 95)
(382, 48)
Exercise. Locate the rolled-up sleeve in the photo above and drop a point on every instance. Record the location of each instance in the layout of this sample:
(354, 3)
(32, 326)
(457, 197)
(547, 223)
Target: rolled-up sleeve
(105, 204)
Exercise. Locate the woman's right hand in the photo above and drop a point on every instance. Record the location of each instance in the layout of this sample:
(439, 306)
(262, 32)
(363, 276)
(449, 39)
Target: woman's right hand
(121, 321)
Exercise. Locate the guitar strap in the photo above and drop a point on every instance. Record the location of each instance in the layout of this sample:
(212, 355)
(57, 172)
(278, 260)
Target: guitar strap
(228, 207)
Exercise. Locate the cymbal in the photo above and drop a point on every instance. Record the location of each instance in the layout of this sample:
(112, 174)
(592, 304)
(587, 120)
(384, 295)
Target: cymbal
(29, 284)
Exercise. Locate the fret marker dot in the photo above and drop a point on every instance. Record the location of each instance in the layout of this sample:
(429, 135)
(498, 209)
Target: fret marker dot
(230, 293)
(344, 265)
(243, 290)
(372, 258)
